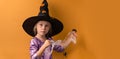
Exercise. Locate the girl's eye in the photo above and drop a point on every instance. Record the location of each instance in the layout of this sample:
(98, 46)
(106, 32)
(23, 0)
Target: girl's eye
(46, 25)
(41, 24)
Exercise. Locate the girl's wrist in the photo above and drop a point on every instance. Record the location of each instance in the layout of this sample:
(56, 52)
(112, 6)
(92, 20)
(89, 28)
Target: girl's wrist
(44, 46)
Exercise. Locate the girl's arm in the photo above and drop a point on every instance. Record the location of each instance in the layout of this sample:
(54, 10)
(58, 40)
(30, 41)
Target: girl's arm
(38, 53)
(69, 38)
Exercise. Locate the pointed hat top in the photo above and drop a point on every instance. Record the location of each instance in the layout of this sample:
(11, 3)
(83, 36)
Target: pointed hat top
(44, 9)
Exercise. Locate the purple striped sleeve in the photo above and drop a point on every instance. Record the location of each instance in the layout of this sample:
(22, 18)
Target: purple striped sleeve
(33, 49)
(58, 48)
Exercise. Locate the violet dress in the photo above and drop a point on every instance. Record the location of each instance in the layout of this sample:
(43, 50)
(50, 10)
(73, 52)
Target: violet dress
(35, 44)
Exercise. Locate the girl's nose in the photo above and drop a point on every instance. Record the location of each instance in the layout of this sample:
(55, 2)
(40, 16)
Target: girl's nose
(43, 27)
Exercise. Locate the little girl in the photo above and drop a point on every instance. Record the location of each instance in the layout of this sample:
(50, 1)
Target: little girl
(42, 28)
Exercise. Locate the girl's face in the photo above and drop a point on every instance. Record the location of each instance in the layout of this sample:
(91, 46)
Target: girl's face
(43, 27)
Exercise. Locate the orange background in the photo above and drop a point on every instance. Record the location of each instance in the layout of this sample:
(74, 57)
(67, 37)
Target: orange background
(97, 22)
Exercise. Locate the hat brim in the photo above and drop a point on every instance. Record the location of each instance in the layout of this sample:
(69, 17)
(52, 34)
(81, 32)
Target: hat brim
(29, 24)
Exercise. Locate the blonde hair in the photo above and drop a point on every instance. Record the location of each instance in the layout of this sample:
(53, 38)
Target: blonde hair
(35, 30)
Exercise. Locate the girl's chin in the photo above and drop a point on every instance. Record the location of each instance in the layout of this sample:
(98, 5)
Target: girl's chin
(42, 34)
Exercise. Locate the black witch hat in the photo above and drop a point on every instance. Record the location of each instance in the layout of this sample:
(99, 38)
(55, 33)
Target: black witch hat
(30, 22)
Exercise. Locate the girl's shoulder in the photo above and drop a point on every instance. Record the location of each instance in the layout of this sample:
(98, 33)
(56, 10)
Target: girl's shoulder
(36, 41)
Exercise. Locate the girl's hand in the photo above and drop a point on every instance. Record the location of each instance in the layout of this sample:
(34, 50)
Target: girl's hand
(47, 43)
(72, 36)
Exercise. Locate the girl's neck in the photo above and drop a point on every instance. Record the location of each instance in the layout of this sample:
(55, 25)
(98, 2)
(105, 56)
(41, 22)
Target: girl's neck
(42, 38)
